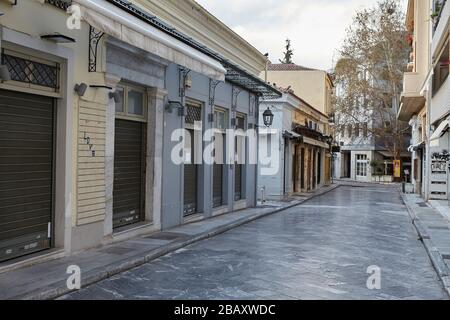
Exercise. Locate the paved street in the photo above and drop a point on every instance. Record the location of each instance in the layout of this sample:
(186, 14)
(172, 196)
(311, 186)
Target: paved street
(319, 250)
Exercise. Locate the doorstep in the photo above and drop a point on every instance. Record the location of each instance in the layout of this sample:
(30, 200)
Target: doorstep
(47, 280)
(433, 228)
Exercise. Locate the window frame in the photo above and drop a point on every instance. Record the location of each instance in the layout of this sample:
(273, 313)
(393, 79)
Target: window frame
(126, 87)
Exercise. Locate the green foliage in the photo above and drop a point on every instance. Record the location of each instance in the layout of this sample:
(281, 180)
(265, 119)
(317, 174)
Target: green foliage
(288, 54)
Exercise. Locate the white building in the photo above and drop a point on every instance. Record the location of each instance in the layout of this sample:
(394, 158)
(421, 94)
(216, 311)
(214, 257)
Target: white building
(297, 147)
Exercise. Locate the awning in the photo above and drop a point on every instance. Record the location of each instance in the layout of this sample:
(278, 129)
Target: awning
(388, 154)
(291, 135)
(124, 26)
(316, 143)
(440, 131)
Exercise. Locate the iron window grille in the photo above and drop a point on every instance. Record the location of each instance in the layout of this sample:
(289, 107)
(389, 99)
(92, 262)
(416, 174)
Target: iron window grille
(64, 5)
(193, 113)
(32, 72)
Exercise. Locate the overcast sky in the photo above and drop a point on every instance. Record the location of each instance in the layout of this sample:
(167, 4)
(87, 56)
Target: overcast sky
(315, 27)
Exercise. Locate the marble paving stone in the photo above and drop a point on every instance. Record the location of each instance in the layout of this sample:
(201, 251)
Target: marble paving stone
(319, 250)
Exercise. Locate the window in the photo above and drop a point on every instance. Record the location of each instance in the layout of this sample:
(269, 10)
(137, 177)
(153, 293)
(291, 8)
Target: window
(361, 165)
(220, 119)
(365, 130)
(349, 131)
(441, 71)
(135, 102)
(120, 104)
(132, 102)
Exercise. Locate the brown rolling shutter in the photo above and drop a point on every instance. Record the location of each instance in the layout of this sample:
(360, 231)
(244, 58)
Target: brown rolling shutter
(26, 173)
(129, 172)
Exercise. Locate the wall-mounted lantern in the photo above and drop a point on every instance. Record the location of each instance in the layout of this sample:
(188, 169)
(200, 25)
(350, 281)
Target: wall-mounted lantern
(80, 89)
(268, 117)
(116, 95)
(175, 104)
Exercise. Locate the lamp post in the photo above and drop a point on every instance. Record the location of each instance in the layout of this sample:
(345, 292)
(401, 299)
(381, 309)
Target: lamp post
(268, 117)
(329, 140)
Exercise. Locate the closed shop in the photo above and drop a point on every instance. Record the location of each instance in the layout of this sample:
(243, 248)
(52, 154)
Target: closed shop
(27, 135)
(191, 170)
(240, 149)
(220, 120)
(129, 157)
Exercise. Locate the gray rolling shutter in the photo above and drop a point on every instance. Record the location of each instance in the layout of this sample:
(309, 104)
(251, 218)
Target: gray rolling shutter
(217, 185)
(190, 184)
(129, 172)
(238, 183)
(193, 113)
(26, 173)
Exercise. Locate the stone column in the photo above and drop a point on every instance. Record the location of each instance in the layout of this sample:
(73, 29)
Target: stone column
(153, 197)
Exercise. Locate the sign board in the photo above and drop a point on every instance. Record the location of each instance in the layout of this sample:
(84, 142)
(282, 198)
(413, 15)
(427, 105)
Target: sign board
(438, 181)
(397, 169)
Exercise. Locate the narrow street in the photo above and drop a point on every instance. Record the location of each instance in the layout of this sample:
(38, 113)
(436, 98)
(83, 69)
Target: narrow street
(319, 250)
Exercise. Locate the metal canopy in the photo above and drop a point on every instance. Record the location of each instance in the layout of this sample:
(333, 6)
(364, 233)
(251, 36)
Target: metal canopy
(235, 74)
(240, 77)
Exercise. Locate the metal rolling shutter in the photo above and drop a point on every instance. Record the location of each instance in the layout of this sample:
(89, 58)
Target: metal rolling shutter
(217, 185)
(26, 173)
(129, 169)
(238, 182)
(190, 184)
(218, 171)
(240, 124)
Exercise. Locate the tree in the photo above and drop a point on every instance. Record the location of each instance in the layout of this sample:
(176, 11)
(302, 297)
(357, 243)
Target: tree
(288, 54)
(369, 75)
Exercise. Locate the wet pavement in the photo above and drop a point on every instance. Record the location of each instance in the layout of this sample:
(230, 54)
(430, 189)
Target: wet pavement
(318, 250)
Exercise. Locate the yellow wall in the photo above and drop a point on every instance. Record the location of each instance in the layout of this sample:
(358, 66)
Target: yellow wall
(311, 86)
(34, 18)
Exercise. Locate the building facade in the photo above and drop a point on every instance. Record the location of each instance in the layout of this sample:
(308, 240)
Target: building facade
(89, 111)
(414, 101)
(297, 147)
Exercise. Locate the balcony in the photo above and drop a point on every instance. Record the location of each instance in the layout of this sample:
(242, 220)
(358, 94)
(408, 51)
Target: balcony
(411, 101)
(441, 16)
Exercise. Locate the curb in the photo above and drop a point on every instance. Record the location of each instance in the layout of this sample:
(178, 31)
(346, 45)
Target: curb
(435, 256)
(57, 290)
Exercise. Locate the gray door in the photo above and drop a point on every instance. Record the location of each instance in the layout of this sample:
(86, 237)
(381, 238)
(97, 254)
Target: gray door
(129, 173)
(26, 173)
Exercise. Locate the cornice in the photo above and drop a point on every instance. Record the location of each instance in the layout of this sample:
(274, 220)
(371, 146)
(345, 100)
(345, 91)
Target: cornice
(190, 18)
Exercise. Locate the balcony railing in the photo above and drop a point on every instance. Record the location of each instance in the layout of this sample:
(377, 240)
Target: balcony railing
(438, 8)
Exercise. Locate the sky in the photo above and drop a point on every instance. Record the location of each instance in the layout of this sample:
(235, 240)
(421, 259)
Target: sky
(316, 28)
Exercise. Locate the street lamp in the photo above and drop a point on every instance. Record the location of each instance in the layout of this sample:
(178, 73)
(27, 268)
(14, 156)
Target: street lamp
(268, 117)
